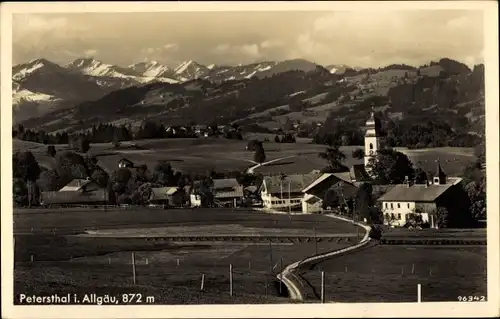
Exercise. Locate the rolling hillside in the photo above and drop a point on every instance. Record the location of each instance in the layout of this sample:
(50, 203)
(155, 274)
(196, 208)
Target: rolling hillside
(307, 96)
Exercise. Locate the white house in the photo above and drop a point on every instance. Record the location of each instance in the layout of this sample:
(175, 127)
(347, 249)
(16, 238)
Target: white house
(285, 192)
(423, 199)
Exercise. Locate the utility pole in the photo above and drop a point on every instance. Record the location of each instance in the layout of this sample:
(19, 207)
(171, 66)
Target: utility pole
(315, 241)
(289, 198)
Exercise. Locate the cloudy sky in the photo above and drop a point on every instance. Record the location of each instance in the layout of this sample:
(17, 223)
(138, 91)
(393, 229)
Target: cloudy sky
(336, 37)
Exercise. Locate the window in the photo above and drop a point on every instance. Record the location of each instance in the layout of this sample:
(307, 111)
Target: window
(399, 216)
(392, 206)
(399, 206)
(385, 205)
(371, 146)
(408, 205)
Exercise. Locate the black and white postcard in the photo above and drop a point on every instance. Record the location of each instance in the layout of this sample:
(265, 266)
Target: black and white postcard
(250, 159)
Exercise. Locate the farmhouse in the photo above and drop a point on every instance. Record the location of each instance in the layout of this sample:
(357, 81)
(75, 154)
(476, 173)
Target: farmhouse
(227, 191)
(403, 201)
(285, 191)
(224, 192)
(312, 202)
(172, 196)
(78, 191)
(125, 163)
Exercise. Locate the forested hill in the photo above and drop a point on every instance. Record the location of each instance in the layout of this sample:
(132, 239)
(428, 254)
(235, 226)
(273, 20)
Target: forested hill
(441, 98)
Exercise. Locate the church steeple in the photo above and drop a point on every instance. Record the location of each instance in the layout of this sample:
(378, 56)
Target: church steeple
(440, 176)
(372, 137)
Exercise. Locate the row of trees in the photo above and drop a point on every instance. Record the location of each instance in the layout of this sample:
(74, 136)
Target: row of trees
(107, 133)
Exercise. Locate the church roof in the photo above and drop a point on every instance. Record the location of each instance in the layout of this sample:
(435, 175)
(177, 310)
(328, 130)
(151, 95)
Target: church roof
(414, 193)
(374, 122)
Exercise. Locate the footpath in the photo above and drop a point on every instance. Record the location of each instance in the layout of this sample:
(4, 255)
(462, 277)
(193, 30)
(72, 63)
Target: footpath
(291, 276)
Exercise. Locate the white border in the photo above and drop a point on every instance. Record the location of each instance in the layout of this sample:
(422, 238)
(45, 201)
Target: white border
(491, 308)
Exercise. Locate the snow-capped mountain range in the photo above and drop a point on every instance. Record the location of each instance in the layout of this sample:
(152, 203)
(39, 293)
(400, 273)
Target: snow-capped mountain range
(40, 86)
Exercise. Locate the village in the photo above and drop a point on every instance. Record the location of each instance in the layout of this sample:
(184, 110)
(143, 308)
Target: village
(412, 203)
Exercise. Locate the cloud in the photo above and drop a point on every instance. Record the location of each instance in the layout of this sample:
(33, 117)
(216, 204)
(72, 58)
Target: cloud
(90, 52)
(171, 46)
(358, 38)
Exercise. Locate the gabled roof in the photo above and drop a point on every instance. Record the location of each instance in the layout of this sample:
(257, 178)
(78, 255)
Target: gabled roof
(236, 192)
(163, 192)
(415, 193)
(76, 183)
(295, 183)
(343, 176)
(225, 183)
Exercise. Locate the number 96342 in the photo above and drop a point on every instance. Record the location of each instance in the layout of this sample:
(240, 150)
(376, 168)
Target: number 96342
(471, 298)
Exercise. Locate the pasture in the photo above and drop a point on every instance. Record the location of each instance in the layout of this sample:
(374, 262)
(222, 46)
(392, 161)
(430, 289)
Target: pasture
(65, 262)
(78, 220)
(391, 274)
(203, 155)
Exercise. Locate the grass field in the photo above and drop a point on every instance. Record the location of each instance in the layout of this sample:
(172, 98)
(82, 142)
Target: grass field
(66, 263)
(384, 274)
(202, 155)
(63, 221)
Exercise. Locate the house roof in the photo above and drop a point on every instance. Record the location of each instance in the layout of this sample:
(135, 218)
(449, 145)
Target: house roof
(343, 176)
(162, 192)
(415, 193)
(225, 183)
(296, 183)
(78, 183)
(236, 192)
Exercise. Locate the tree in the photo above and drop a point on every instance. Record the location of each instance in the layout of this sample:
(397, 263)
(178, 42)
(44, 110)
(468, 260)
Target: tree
(442, 217)
(252, 145)
(100, 177)
(334, 157)
(358, 153)
(49, 181)
(390, 167)
(20, 192)
(277, 139)
(420, 176)
(51, 150)
(364, 201)
(25, 166)
(164, 174)
(331, 199)
(71, 165)
(259, 156)
(142, 174)
(476, 192)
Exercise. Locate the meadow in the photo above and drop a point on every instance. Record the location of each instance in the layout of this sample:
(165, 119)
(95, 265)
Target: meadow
(203, 155)
(391, 274)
